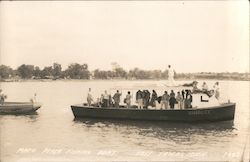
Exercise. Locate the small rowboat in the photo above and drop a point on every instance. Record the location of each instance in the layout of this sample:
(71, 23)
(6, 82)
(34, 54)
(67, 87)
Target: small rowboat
(16, 108)
(214, 113)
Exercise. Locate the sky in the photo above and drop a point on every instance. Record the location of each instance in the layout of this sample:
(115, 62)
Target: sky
(192, 36)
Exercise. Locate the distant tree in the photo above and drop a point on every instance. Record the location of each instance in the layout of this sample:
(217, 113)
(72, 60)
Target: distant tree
(155, 74)
(57, 70)
(77, 71)
(139, 74)
(25, 71)
(47, 72)
(120, 72)
(37, 72)
(5, 72)
(100, 74)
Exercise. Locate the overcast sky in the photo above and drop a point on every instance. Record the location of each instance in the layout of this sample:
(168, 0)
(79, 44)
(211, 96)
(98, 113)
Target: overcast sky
(192, 36)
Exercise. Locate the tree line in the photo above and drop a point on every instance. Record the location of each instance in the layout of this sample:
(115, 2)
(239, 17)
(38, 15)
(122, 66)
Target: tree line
(81, 71)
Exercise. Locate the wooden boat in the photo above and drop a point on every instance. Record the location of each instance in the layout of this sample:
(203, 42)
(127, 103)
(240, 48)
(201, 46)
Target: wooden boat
(19, 107)
(214, 113)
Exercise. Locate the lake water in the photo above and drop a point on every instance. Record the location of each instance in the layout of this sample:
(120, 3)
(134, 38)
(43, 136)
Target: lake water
(53, 134)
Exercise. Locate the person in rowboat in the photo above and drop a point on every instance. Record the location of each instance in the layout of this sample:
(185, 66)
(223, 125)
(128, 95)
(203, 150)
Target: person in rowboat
(2, 97)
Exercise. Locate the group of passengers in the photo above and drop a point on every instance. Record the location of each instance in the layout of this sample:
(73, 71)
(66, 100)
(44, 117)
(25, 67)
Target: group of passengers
(182, 99)
(144, 99)
(106, 100)
(204, 89)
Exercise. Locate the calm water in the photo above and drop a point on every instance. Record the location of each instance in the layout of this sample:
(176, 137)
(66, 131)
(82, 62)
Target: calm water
(53, 134)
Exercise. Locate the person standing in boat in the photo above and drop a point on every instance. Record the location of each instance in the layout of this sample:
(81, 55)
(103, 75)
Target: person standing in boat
(171, 72)
(147, 98)
(183, 94)
(164, 100)
(106, 99)
(139, 99)
(188, 101)
(179, 99)
(172, 99)
(117, 98)
(153, 98)
(217, 90)
(89, 97)
(128, 99)
(144, 101)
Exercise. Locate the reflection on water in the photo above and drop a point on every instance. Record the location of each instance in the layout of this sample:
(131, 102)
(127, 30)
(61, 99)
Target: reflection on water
(54, 127)
(177, 132)
(218, 126)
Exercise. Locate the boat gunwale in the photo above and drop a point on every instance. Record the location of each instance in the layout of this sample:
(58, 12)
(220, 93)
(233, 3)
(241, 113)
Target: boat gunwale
(136, 109)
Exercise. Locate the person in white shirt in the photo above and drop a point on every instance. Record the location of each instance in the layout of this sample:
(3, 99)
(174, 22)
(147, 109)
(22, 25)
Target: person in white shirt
(217, 90)
(106, 99)
(128, 99)
(204, 86)
(89, 97)
(171, 81)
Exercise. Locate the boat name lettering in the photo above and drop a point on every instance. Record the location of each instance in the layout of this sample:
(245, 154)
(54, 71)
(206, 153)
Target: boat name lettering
(199, 112)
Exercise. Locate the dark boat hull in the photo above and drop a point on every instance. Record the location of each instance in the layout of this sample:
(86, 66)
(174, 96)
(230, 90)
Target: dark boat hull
(217, 113)
(17, 108)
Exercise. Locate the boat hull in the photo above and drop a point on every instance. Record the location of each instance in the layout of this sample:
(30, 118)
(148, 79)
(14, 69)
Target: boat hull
(216, 113)
(16, 108)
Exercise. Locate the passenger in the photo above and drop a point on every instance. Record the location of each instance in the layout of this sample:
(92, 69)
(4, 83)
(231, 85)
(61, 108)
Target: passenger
(139, 99)
(102, 100)
(217, 90)
(172, 99)
(187, 93)
(117, 98)
(137, 95)
(89, 97)
(204, 87)
(179, 99)
(183, 94)
(195, 86)
(147, 98)
(105, 99)
(164, 100)
(144, 98)
(128, 99)
(111, 104)
(153, 98)
(98, 102)
(188, 101)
